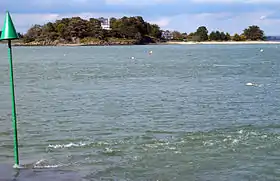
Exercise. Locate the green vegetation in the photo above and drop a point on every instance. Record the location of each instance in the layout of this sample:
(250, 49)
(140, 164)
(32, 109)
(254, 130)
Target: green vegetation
(252, 33)
(75, 30)
(179, 36)
(219, 36)
(123, 31)
(202, 33)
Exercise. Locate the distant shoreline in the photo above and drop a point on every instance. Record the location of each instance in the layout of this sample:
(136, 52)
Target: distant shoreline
(159, 43)
(221, 42)
(74, 44)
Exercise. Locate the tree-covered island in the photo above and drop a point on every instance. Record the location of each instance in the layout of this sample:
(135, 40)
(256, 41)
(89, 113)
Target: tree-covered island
(122, 31)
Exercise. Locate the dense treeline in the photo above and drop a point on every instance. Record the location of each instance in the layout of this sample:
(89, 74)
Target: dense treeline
(252, 33)
(77, 30)
(125, 30)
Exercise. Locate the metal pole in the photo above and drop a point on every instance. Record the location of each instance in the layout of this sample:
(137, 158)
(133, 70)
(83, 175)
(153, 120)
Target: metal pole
(14, 114)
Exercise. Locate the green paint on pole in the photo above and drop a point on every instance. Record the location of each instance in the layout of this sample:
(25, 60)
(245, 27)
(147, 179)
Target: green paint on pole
(9, 33)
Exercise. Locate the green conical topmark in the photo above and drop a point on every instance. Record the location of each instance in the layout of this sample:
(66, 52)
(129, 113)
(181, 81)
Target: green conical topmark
(8, 30)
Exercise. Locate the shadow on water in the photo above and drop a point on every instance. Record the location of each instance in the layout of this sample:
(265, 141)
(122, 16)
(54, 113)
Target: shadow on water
(8, 173)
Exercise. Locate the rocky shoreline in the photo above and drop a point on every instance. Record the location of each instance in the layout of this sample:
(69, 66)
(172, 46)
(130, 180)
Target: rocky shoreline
(123, 43)
(99, 43)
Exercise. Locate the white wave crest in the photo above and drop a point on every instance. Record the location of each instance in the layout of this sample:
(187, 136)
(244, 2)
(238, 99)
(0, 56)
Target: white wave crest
(47, 166)
(69, 145)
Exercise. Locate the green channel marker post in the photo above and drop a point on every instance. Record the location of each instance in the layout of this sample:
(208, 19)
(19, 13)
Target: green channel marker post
(9, 33)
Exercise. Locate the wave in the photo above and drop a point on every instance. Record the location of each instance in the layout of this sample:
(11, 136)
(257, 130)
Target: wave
(222, 65)
(69, 145)
(41, 164)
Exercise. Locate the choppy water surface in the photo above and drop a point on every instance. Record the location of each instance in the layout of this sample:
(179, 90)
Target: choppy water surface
(195, 112)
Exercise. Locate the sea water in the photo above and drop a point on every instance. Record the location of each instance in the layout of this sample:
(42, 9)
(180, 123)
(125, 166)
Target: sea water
(182, 112)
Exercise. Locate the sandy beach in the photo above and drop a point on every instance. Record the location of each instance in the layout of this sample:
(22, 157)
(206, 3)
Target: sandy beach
(222, 43)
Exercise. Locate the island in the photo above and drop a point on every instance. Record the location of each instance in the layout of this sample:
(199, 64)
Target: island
(76, 31)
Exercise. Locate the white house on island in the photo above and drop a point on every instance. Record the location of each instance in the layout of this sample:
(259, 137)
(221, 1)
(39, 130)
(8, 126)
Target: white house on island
(105, 23)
